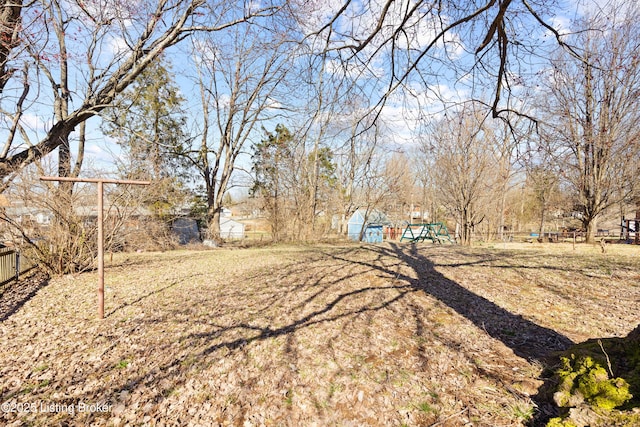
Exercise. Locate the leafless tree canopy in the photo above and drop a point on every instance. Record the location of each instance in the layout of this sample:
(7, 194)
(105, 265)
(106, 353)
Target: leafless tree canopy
(358, 79)
(71, 58)
(593, 109)
(75, 57)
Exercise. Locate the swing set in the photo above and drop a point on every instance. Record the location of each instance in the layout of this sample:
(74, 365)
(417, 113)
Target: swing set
(436, 232)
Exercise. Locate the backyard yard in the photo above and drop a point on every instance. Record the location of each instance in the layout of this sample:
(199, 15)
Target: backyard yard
(346, 335)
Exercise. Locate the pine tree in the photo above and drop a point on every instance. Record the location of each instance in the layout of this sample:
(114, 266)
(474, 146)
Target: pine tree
(148, 122)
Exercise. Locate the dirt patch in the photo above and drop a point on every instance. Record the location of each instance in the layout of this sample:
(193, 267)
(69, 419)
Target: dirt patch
(315, 335)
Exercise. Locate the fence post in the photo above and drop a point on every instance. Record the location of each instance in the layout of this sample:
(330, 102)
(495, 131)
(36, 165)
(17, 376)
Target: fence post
(17, 266)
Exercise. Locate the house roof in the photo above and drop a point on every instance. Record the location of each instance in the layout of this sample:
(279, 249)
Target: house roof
(228, 222)
(375, 217)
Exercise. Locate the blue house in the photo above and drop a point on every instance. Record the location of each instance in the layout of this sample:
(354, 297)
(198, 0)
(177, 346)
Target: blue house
(371, 226)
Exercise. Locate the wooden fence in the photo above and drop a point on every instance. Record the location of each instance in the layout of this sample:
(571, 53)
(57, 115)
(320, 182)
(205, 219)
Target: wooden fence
(12, 265)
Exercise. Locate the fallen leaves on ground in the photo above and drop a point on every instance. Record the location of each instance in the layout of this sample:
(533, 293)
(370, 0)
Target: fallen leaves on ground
(381, 335)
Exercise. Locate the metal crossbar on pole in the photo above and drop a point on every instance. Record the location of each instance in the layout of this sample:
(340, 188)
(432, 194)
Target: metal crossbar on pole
(100, 182)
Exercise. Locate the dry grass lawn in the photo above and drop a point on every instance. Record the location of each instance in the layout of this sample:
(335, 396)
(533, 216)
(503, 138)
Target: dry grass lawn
(349, 335)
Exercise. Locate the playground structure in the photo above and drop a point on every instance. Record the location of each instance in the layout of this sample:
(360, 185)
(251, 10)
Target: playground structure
(436, 232)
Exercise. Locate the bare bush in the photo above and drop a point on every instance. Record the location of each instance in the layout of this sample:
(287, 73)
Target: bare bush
(59, 230)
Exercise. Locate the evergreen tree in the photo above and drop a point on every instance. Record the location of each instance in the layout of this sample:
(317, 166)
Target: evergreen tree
(295, 187)
(270, 156)
(147, 122)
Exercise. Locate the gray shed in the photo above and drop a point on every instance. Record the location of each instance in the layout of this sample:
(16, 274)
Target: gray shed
(186, 229)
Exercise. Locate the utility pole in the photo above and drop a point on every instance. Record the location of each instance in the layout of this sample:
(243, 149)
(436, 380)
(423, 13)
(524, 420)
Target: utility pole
(100, 182)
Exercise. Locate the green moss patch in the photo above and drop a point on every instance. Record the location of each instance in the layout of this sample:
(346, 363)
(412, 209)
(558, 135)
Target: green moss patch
(618, 357)
(583, 380)
(598, 383)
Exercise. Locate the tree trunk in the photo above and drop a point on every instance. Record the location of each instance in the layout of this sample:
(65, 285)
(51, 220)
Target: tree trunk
(10, 19)
(467, 226)
(637, 239)
(214, 224)
(503, 203)
(365, 218)
(64, 166)
(542, 218)
(590, 227)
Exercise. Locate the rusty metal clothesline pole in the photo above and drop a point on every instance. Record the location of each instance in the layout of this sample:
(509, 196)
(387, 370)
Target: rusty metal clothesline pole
(100, 182)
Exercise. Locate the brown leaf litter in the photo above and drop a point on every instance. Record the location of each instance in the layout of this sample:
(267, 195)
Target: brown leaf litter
(348, 335)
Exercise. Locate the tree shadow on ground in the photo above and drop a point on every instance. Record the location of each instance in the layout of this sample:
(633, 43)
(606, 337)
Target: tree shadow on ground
(125, 304)
(18, 293)
(197, 348)
(526, 338)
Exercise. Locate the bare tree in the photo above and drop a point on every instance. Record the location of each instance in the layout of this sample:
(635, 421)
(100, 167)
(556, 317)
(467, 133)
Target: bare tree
(461, 149)
(60, 233)
(64, 61)
(380, 178)
(508, 154)
(593, 99)
(543, 181)
(239, 75)
(400, 182)
(87, 52)
(396, 50)
(400, 46)
(289, 179)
